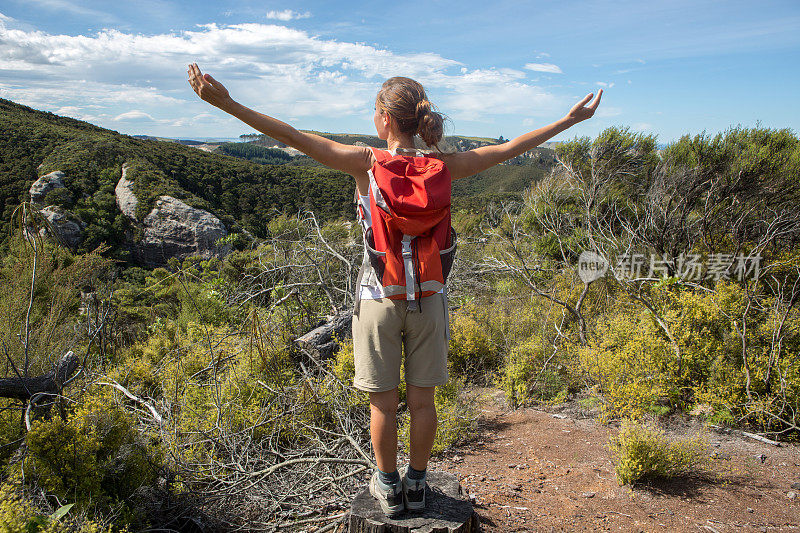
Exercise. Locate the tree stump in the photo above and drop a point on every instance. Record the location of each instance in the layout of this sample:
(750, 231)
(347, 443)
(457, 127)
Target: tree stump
(447, 510)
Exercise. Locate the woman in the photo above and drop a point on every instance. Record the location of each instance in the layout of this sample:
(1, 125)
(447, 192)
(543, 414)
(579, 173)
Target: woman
(383, 326)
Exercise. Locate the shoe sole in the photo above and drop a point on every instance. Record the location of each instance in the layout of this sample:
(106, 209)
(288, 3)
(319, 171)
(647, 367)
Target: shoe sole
(388, 510)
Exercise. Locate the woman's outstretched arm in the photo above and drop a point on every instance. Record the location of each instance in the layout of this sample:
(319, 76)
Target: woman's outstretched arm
(354, 160)
(463, 164)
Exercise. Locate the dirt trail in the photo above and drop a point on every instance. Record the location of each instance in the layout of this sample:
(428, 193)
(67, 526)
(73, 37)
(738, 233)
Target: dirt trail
(532, 471)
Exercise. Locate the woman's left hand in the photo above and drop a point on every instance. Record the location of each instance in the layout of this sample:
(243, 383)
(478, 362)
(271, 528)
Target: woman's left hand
(581, 111)
(207, 88)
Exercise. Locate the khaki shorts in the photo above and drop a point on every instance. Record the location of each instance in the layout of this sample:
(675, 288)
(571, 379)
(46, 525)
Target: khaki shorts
(384, 328)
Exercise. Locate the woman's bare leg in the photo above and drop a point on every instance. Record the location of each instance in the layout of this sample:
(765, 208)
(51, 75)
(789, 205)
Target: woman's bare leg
(383, 428)
(423, 424)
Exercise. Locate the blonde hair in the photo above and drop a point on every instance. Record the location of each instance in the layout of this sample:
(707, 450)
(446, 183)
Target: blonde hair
(405, 100)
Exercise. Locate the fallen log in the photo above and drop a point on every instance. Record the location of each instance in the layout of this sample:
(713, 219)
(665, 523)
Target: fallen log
(23, 388)
(322, 341)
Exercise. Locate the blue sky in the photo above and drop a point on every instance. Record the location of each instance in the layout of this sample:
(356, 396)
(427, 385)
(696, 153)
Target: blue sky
(495, 68)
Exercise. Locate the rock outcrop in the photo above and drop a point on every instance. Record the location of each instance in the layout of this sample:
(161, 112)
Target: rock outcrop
(175, 229)
(45, 184)
(126, 200)
(67, 226)
(171, 229)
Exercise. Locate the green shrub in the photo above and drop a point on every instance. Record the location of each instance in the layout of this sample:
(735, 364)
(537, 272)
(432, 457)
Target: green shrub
(471, 351)
(644, 451)
(95, 457)
(630, 362)
(708, 330)
(19, 516)
(530, 374)
(63, 460)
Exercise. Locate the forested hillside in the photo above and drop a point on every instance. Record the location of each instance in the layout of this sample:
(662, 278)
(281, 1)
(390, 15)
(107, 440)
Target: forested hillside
(241, 194)
(244, 191)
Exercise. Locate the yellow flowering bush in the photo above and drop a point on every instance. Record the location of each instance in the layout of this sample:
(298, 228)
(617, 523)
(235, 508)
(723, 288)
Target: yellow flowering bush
(629, 361)
(644, 451)
(471, 350)
(19, 516)
(532, 372)
(95, 457)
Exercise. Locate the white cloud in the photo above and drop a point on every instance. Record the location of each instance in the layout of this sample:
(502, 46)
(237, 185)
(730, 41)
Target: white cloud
(79, 113)
(287, 14)
(544, 67)
(605, 84)
(283, 71)
(642, 126)
(134, 114)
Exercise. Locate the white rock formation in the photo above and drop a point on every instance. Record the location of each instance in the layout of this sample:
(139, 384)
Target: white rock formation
(67, 226)
(126, 200)
(45, 184)
(175, 229)
(171, 229)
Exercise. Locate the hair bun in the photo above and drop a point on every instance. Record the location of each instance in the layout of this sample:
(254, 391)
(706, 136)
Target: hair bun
(423, 108)
(431, 124)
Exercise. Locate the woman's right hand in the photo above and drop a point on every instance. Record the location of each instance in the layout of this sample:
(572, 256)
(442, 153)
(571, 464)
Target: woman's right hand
(207, 88)
(581, 111)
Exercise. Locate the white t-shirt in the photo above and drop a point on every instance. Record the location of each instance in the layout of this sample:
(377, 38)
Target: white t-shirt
(370, 292)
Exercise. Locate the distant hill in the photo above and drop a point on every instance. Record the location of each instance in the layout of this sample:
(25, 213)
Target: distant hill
(503, 181)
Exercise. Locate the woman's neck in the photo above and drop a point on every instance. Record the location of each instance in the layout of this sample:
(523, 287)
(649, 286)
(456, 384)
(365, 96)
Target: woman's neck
(393, 142)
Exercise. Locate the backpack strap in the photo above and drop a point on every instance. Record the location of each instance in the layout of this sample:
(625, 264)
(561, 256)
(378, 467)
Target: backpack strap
(408, 266)
(376, 193)
(381, 155)
(446, 314)
(357, 299)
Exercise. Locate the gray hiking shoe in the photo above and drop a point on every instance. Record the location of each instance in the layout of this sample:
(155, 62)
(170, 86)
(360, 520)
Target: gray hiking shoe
(390, 497)
(414, 492)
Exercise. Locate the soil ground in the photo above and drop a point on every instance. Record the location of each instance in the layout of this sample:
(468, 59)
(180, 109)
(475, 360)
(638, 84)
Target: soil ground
(550, 470)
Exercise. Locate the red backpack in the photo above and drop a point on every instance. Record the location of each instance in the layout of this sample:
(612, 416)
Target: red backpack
(410, 243)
